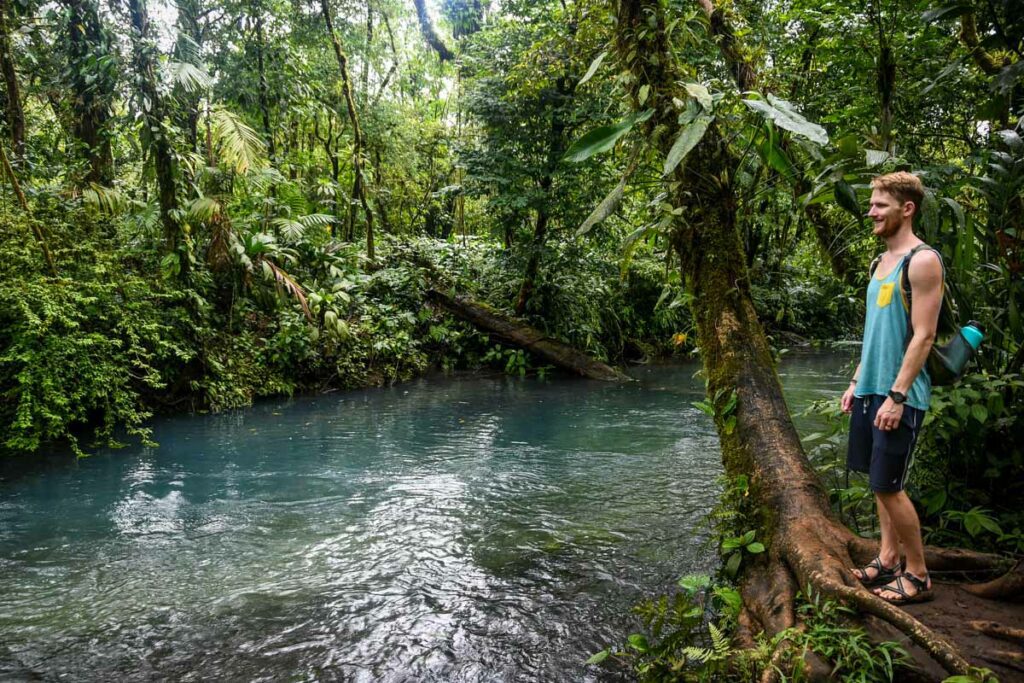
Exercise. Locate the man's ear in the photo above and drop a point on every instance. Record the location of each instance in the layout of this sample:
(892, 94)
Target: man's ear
(909, 209)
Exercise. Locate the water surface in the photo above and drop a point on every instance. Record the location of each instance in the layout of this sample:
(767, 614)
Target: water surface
(449, 529)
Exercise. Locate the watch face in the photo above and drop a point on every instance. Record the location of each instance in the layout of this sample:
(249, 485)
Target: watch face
(897, 397)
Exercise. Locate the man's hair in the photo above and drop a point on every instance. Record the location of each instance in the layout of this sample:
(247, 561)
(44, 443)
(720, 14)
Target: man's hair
(906, 187)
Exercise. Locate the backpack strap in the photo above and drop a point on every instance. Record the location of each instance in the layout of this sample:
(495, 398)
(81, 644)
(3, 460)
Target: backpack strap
(908, 294)
(874, 265)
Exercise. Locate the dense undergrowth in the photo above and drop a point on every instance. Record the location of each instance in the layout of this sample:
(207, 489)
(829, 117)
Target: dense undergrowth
(92, 353)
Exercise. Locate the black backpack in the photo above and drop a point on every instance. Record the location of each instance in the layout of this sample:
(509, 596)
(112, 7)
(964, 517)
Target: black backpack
(946, 363)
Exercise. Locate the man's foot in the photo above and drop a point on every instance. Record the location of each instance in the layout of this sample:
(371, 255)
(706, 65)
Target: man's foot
(906, 589)
(874, 573)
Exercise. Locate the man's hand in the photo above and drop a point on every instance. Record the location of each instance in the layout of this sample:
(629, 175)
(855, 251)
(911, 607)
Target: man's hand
(846, 402)
(888, 416)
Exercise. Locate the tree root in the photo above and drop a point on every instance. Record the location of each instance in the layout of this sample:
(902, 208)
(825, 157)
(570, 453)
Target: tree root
(1011, 660)
(1009, 586)
(991, 628)
(940, 649)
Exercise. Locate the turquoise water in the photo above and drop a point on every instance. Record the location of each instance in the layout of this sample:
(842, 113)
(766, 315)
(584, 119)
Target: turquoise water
(449, 529)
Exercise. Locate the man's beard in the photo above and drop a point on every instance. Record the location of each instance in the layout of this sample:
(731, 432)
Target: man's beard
(890, 226)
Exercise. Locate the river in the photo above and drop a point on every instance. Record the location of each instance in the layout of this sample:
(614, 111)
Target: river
(459, 528)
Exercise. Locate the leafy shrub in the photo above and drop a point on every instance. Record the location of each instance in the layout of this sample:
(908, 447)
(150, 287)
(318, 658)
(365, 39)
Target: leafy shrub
(84, 353)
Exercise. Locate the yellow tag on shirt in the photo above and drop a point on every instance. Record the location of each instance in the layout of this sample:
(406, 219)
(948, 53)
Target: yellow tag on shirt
(885, 294)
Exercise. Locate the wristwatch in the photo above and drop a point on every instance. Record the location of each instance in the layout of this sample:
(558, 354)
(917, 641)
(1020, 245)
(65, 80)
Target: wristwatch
(897, 397)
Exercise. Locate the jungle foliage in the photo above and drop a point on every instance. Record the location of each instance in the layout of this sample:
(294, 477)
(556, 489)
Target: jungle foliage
(209, 201)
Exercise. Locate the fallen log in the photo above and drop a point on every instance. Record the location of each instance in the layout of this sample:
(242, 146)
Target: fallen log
(517, 333)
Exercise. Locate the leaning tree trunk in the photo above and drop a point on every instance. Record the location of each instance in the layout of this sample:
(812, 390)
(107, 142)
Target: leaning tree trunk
(806, 544)
(519, 334)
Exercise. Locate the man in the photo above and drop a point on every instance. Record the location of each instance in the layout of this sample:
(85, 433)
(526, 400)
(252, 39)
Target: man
(889, 392)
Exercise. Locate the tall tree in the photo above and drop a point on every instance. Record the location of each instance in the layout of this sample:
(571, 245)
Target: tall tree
(359, 189)
(807, 546)
(155, 131)
(93, 74)
(14, 108)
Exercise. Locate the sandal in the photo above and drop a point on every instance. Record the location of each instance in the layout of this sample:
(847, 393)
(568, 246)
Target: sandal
(884, 574)
(923, 594)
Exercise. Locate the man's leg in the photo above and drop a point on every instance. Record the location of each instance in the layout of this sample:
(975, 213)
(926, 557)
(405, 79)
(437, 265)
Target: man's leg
(904, 521)
(889, 549)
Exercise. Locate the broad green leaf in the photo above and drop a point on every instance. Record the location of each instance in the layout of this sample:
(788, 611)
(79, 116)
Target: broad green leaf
(776, 159)
(641, 96)
(700, 93)
(594, 66)
(687, 140)
(748, 537)
(638, 642)
(604, 138)
(958, 211)
(605, 208)
(846, 197)
(599, 657)
(1010, 138)
(979, 413)
(755, 548)
(732, 565)
(785, 116)
(694, 582)
(732, 543)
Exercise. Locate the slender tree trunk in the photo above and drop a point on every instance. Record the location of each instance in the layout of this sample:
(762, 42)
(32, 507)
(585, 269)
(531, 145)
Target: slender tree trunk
(359, 190)
(262, 87)
(556, 146)
(364, 81)
(430, 34)
(154, 119)
(189, 14)
(885, 76)
(37, 231)
(15, 112)
(806, 545)
(93, 91)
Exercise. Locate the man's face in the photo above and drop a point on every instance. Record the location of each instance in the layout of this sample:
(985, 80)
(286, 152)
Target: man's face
(887, 212)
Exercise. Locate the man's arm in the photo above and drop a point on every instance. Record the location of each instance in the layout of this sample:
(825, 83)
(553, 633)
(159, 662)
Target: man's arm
(846, 402)
(926, 287)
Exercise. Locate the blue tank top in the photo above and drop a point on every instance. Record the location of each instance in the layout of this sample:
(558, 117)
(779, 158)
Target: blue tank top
(885, 338)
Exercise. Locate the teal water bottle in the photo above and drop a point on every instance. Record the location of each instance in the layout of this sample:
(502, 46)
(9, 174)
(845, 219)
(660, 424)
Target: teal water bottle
(973, 332)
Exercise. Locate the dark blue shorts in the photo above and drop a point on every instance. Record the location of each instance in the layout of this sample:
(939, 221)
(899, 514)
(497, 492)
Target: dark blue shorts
(884, 456)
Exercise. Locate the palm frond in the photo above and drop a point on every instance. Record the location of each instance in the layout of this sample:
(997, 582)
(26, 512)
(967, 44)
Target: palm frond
(288, 283)
(316, 220)
(188, 76)
(108, 200)
(187, 49)
(203, 209)
(291, 230)
(237, 143)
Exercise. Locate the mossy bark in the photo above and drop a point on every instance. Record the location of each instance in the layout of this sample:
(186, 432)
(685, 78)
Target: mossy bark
(521, 335)
(806, 545)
